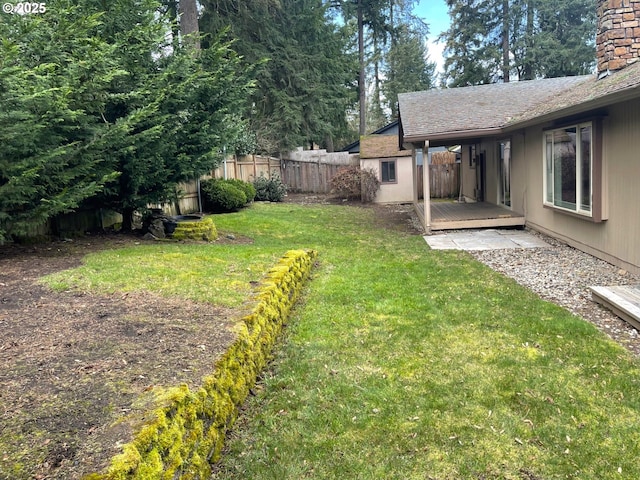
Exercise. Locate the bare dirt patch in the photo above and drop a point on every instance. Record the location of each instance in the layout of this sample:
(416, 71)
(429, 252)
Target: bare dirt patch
(73, 362)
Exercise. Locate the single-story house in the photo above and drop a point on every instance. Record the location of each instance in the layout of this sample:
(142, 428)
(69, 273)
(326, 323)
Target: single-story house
(561, 155)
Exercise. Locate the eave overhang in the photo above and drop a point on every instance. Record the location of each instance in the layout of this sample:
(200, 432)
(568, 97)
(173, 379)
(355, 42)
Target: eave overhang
(453, 137)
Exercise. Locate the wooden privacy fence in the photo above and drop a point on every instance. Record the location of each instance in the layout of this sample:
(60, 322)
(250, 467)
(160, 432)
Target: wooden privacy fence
(308, 171)
(311, 171)
(248, 167)
(444, 180)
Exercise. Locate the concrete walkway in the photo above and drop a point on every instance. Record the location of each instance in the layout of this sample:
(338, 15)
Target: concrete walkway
(490, 239)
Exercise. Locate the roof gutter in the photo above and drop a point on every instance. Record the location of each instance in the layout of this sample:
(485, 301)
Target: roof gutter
(455, 135)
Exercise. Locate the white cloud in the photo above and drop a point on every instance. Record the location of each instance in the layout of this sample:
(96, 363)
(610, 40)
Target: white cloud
(436, 54)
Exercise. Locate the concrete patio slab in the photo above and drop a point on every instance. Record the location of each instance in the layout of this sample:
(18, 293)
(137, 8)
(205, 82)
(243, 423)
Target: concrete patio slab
(490, 239)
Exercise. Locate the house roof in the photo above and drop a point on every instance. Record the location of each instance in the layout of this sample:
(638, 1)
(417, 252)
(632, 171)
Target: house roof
(592, 94)
(470, 112)
(380, 146)
(389, 129)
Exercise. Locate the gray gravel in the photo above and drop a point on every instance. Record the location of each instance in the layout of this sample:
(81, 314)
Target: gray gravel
(563, 275)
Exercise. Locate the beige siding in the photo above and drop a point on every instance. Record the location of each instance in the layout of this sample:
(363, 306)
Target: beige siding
(616, 239)
(518, 174)
(399, 192)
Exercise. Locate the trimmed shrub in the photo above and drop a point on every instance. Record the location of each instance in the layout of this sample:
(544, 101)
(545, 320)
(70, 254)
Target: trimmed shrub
(248, 188)
(353, 183)
(222, 196)
(270, 189)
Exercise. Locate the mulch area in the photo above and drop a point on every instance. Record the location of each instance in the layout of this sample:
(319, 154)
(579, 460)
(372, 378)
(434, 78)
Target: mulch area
(73, 362)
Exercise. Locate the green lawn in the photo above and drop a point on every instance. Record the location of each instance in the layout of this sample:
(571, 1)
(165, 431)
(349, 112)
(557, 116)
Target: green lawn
(408, 363)
(402, 362)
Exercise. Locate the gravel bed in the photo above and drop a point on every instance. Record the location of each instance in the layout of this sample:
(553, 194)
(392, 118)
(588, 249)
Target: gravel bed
(563, 275)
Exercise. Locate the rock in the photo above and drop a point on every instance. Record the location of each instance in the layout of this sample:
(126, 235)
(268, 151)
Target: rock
(156, 228)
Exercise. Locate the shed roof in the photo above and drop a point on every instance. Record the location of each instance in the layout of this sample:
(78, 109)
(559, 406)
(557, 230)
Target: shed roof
(380, 146)
(388, 129)
(468, 112)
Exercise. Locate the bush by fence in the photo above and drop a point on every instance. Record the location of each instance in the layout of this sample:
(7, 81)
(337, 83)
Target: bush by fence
(355, 183)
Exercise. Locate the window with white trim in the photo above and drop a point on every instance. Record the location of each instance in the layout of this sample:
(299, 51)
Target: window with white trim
(388, 171)
(568, 163)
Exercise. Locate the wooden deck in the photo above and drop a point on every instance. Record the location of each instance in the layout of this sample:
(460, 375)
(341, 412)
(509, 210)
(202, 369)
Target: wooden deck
(623, 300)
(454, 216)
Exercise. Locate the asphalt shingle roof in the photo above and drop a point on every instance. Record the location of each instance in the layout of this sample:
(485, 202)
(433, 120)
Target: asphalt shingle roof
(591, 94)
(467, 111)
(380, 146)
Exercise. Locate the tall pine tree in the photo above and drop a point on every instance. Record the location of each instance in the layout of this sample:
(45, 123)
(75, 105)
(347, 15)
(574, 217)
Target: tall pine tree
(493, 40)
(304, 75)
(407, 67)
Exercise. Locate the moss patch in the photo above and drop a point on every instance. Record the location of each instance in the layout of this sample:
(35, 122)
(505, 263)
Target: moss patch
(183, 432)
(203, 229)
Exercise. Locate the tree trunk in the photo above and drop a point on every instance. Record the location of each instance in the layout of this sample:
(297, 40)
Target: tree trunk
(528, 67)
(127, 219)
(361, 79)
(329, 144)
(172, 10)
(505, 41)
(189, 23)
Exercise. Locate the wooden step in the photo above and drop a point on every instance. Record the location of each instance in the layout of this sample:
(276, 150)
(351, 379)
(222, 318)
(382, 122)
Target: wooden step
(623, 300)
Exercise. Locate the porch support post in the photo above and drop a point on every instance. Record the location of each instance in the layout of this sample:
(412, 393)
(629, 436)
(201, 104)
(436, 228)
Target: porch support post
(426, 187)
(414, 176)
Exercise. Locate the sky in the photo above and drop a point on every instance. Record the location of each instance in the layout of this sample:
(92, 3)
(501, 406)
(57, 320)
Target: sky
(435, 13)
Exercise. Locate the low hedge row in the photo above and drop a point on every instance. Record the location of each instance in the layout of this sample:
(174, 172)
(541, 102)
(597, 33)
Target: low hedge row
(184, 434)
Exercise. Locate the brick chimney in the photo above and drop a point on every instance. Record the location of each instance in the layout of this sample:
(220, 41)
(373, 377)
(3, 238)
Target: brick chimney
(618, 35)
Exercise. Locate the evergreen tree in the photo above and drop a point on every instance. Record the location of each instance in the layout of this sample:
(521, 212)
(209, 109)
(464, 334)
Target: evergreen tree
(100, 109)
(407, 68)
(491, 39)
(565, 39)
(386, 29)
(472, 43)
(55, 76)
(175, 111)
(303, 75)
(372, 27)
